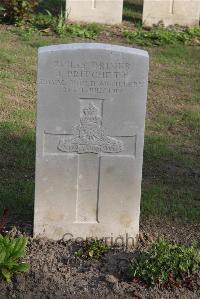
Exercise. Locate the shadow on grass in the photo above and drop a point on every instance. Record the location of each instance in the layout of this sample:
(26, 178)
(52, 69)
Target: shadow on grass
(53, 6)
(17, 164)
(132, 12)
(170, 182)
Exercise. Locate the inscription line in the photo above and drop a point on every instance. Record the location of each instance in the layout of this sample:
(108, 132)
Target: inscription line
(56, 133)
(92, 99)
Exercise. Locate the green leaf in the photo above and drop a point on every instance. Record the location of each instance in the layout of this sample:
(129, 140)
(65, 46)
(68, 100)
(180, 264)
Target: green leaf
(6, 274)
(2, 256)
(23, 267)
(10, 252)
(91, 253)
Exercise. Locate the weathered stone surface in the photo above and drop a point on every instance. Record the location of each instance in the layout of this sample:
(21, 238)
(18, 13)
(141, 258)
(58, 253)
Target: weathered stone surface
(99, 11)
(171, 12)
(90, 131)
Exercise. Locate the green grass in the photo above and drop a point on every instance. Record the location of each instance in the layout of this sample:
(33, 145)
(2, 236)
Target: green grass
(17, 133)
(171, 153)
(17, 146)
(195, 97)
(161, 200)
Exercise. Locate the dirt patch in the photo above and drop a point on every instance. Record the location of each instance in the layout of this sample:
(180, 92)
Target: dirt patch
(56, 271)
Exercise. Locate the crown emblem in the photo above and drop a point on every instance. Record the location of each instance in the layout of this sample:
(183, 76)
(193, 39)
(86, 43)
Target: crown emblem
(89, 135)
(90, 114)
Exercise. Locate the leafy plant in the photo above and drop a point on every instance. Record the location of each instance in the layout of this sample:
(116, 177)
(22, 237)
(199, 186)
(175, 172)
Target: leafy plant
(92, 249)
(18, 10)
(165, 262)
(11, 250)
(162, 36)
(61, 26)
(42, 21)
(84, 31)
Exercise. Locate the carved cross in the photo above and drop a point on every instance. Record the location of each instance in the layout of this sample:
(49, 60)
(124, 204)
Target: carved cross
(91, 144)
(94, 4)
(172, 6)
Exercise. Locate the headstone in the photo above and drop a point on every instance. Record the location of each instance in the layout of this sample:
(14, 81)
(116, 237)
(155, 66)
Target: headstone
(99, 11)
(90, 131)
(171, 12)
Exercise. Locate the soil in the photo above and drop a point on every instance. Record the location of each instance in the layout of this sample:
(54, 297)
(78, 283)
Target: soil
(57, 272)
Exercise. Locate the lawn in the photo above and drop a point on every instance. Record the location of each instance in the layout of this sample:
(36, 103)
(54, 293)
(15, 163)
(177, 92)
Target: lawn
(171, 153)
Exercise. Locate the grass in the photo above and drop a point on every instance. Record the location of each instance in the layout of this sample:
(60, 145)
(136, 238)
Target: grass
(170, 172)
(17, 133)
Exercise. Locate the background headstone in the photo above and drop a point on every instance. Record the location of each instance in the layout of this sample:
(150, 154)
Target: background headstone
(99, 11)
(90, 131)
(171, 12)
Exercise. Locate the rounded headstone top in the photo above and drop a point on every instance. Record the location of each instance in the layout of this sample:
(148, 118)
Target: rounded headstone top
(92, 46)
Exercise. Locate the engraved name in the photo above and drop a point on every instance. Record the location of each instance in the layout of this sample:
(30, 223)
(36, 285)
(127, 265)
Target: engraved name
(91, 77)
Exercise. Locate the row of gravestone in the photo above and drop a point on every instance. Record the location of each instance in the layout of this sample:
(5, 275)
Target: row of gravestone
(169, 12)
(91, 106)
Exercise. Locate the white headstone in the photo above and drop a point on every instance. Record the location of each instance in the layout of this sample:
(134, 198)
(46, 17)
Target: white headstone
(90, 131)
(99, 11)
(171, 12)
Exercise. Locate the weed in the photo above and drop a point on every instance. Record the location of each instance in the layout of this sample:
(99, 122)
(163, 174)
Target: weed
(42, 21)
(162, 36)
(18, 10)
(92, 249)
(84, 31)
(11, 250)
(165, 262)
(61, 26)
(48, 23)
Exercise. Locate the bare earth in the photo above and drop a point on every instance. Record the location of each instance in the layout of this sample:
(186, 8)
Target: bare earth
(56, 272)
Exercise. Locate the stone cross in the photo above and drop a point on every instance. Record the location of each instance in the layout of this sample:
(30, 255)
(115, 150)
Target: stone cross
(91, 144)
